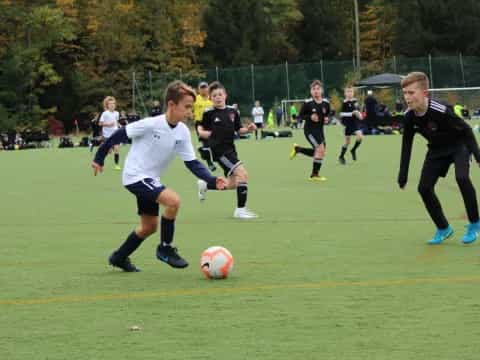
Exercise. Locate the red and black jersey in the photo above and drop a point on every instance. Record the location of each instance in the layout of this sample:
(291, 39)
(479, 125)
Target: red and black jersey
(223, 123)
(348, 107)
(310, 107)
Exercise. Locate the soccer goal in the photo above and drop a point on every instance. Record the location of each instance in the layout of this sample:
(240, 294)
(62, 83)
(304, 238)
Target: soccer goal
(468, 97)
(286, 107)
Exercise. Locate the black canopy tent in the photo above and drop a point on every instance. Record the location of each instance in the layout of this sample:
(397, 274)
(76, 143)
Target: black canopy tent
(381, 80)
(380, 118)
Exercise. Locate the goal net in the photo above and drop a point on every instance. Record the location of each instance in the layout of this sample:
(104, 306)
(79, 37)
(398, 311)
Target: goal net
(468, 97)
(288, 111)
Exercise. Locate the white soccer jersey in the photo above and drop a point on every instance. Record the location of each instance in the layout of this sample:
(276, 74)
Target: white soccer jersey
(154, 146)
(109, 117)
(257, 113)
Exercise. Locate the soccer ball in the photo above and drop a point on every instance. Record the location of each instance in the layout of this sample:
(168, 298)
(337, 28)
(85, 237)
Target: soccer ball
(216, 262)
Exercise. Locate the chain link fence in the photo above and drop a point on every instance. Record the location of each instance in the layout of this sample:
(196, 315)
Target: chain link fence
(273, 83)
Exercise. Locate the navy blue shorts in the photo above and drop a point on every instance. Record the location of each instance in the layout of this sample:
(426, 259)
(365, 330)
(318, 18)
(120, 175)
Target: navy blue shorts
(146, 192)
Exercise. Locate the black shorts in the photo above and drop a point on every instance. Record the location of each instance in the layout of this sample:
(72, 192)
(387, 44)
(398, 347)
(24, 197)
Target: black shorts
(259, 125)
(315, 138)
(228, 160)
(351, 127)
(146, 191)
(437, 163)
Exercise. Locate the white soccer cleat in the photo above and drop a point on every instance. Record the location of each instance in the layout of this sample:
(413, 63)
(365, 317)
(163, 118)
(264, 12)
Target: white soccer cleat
(244, 213)
(202, 190)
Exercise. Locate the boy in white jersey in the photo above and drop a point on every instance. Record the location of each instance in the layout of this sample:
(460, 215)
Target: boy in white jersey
(109, 123)
(155, 142)
(257, 114)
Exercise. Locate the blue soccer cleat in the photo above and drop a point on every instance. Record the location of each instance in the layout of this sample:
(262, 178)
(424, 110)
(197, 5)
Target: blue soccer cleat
(441, 235)
(471, 233)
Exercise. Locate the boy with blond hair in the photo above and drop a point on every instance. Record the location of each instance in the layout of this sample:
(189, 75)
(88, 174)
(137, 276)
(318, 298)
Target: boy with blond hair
(109, 123)
(450, 141)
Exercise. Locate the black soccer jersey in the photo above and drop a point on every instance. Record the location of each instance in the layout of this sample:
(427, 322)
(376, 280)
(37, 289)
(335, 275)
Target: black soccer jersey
(223, 123)
(443, 129)
(348, 107)
(311, 107)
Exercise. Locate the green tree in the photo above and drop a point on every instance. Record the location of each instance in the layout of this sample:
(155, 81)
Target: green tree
(377, 25)
(327, 30)
(26, 70)
(250, 31)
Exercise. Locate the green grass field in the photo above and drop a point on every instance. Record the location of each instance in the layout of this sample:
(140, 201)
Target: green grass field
(334, 270)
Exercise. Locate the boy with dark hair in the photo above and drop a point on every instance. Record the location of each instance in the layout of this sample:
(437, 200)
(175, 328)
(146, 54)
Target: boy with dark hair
(155, 142)
(350, 115)
(218, 126)
(315, 113)
(450, 141)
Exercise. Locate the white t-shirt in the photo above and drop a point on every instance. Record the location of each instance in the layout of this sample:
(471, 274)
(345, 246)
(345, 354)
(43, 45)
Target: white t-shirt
(109, 117)
(154, 146)
(257, 113)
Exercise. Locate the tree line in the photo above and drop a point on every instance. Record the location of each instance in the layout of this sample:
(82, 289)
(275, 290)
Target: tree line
(61, 57)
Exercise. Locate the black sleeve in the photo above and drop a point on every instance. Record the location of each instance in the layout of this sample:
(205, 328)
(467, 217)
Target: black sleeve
(238, 123)
(407, 141)
(117, 137)
(206, 122)
(304, 112)
(327, 106)
(200, 171)
(460, 125)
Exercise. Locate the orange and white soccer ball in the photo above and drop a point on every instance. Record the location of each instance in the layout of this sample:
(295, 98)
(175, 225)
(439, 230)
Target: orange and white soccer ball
(216, 262)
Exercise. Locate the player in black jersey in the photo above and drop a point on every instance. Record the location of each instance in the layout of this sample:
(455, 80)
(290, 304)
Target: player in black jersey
(450, 141)
(219, 125)
(315, 113)
(350, 116)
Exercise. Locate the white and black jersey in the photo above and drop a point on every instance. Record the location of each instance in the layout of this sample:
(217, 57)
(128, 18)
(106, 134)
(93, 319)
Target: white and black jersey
(310, 107)
(348, 107)
(223, 124)
(109, 118)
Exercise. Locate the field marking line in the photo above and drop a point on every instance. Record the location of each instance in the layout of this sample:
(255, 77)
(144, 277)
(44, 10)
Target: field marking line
(242, 289)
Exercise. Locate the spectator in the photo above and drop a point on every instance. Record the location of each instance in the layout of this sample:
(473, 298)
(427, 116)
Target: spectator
(270, 121)
(257, 115)
(293, 116)
(371, 107)
(279, 114)
(156, 109)
(123, 120)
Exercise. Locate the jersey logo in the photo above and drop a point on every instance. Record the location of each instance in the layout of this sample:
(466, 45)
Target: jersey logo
(432, 126)
(156, 136)
(232, 116)
(216, 120)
